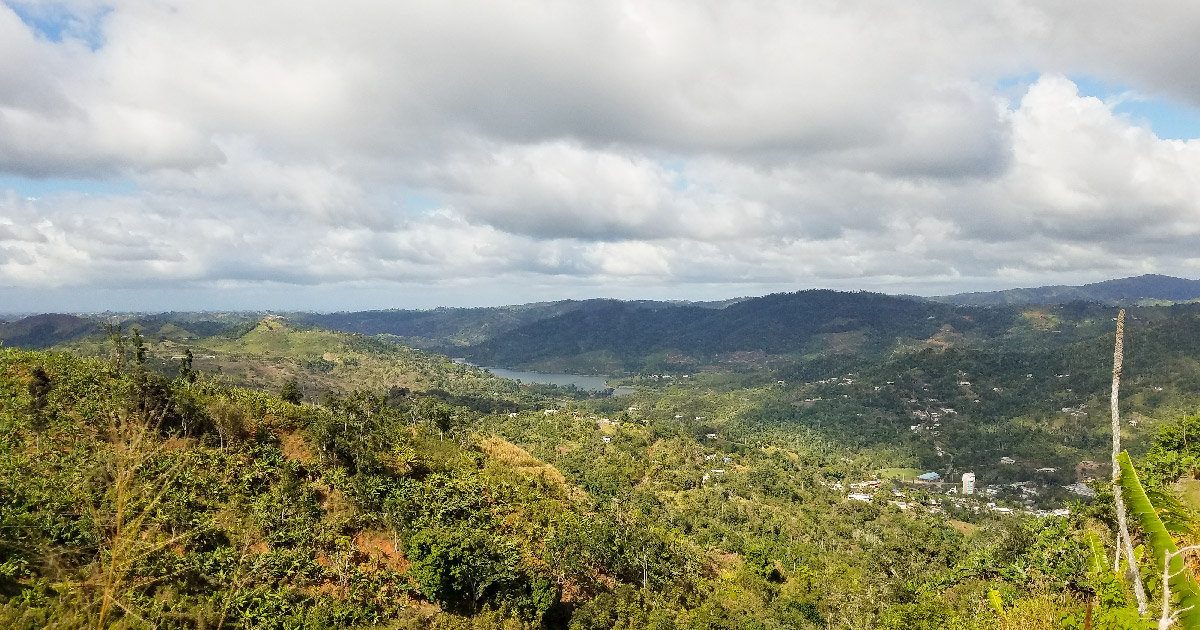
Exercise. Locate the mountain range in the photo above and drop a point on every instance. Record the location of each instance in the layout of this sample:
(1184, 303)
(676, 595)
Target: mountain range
(1145, 289)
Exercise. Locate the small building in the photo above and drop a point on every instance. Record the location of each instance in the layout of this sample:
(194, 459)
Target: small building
(1047, 469)
(968, 483)
(711, 436)
(929, 476)
(1007, 460)
(606, 439)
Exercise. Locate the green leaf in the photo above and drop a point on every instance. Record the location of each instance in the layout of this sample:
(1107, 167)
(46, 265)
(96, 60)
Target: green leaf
(1183, 585)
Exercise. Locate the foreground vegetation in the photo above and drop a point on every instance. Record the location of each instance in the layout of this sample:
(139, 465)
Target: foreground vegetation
(259, 473)
(128, 499)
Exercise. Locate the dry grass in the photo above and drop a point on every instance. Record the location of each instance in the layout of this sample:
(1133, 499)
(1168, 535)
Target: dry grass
(963, 527)
(504, 452)
(293, 447)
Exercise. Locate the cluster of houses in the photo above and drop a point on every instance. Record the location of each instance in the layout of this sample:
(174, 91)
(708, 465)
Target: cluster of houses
(961, 495)
(930, 420)
(1076, 411)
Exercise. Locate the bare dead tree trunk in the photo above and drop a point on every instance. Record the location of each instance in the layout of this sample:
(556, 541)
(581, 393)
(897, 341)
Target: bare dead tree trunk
(1124, 543)
(1169, 617)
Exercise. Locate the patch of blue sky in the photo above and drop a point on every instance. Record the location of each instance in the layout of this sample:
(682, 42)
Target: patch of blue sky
(1015, 86)
(677, 168)
(37, 188)
(417, 201)
(1169, 119)
(55, 21)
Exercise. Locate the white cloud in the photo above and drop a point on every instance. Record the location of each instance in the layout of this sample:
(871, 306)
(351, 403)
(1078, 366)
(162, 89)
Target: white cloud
(724, 145)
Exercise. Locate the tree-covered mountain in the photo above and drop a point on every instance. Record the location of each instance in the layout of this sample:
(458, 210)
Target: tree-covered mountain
(1149, 288)
(448, 328)
(777, 329)
(43, 331)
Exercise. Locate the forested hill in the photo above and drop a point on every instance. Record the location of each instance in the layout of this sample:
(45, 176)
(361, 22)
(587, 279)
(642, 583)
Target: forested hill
(1149, 288)
(40, 331)
(448, 328)
(440, 326)
(784, 326)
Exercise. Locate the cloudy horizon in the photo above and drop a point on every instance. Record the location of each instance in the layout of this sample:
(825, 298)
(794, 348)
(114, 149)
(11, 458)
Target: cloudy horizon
(306, 155)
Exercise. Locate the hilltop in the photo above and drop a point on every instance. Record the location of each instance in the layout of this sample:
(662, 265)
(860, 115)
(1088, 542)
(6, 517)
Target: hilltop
(1145, 289)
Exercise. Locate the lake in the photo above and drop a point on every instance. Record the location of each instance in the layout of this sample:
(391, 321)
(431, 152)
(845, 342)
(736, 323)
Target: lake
(582, 381)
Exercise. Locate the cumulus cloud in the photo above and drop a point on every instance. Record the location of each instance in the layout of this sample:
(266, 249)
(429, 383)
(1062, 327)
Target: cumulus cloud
(593, 147)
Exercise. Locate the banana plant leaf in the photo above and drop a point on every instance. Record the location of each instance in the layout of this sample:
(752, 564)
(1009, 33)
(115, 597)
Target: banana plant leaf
(1097, 558)
(1183, 584)
(1173, 513)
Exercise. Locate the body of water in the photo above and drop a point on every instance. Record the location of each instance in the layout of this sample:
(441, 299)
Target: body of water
(582, 381)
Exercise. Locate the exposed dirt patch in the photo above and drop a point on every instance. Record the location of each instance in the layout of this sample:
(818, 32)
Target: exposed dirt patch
(945, 338)
(378, 545)
(293, 446)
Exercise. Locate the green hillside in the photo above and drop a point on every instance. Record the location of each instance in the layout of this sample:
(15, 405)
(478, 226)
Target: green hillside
(268, 353)
(829, 327)
(134, 499)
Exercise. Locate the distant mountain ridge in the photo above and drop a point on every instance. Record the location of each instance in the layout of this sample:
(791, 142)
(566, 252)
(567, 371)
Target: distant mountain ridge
(619, 335)
(42, 331)
(446, 328)
(1123, 291)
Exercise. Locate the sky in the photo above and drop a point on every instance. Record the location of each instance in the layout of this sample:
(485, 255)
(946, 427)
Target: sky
(351, 155)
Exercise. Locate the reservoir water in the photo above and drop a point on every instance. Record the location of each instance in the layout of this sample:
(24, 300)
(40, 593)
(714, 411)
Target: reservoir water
(582, 381)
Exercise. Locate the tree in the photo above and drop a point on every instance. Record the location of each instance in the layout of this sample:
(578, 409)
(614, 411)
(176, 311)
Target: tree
(229, 420)
(186, 373)
(116, 344)
(290, 392)
(456, 567)
(139, 347)
(39, 389)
